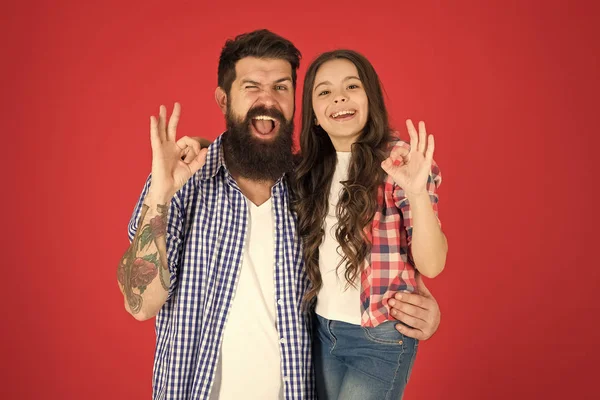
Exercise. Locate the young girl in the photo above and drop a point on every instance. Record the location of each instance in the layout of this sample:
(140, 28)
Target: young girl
(367, 213)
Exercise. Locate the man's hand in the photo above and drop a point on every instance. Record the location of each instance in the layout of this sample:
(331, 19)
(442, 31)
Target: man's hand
(173, 161)
(419, 310)
(203, 142)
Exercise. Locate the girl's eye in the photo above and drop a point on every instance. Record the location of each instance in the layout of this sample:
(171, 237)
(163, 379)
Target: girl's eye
(324, 92)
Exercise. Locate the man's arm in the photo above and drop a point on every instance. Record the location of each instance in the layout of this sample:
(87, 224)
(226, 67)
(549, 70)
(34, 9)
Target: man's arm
(143, 273)
(418, 310)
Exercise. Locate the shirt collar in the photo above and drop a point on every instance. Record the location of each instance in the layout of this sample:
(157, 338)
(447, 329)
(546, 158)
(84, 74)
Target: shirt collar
(215, 159)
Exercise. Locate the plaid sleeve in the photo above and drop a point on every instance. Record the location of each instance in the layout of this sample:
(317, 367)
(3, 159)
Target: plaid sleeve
(174, 231)
(433, 182)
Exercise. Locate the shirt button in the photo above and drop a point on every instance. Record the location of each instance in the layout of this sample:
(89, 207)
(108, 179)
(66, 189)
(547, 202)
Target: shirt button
(280, 302)
(279, 264)
(282, 340)
(280, 226)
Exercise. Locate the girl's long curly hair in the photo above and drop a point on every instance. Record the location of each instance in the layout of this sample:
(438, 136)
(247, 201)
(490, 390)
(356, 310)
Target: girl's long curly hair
(358, 201)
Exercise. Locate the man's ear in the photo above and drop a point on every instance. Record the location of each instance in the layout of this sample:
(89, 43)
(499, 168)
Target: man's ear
(221, 98)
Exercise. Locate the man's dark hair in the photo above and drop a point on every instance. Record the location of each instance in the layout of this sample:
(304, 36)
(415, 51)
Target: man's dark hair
(260, 44)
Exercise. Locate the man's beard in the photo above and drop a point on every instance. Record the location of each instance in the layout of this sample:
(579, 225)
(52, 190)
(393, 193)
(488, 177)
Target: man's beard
(255, 159)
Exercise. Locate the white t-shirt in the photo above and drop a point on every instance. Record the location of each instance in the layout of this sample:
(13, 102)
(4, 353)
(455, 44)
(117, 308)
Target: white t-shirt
(335, 301)
(249, 365)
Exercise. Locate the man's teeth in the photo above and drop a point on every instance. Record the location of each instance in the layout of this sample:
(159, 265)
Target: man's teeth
(265, 117)
(339, 113)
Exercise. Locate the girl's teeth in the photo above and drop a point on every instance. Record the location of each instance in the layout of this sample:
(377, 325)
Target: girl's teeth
(343, 113)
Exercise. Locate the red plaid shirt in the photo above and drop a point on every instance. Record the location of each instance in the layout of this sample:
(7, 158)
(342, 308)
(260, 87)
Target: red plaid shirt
(390, 268)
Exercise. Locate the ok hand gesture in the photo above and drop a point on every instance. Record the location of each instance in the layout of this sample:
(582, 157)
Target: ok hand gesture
(410, 169)
(173, 161)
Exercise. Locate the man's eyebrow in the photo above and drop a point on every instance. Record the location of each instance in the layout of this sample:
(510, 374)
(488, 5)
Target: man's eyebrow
(287, 78)
(280, 80)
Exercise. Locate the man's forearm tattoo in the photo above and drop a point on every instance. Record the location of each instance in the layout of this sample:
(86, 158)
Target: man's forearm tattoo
(137, 272)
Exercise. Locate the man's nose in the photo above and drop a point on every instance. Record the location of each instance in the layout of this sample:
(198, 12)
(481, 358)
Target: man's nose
(267, 98)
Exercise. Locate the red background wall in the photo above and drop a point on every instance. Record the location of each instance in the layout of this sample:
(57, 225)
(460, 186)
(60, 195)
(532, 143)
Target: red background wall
(510, 88)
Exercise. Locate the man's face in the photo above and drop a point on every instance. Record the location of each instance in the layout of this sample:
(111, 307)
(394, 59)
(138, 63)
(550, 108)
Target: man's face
(259, 117)
(262, 84)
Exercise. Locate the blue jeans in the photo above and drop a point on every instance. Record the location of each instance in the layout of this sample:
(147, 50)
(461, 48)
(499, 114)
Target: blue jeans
(352, 362)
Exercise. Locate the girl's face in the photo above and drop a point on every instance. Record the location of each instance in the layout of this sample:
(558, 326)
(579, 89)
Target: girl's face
(340, 102)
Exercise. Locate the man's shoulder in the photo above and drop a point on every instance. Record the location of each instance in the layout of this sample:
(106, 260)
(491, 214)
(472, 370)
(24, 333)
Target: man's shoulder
(214, 160)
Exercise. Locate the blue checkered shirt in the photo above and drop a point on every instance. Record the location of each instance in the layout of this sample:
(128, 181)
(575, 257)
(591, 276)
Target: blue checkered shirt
(207, 227)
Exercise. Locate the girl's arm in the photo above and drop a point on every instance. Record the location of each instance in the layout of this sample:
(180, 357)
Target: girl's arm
(413, 170)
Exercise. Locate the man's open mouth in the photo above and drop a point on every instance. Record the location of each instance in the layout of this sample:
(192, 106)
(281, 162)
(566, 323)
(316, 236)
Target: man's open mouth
(264, 124)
